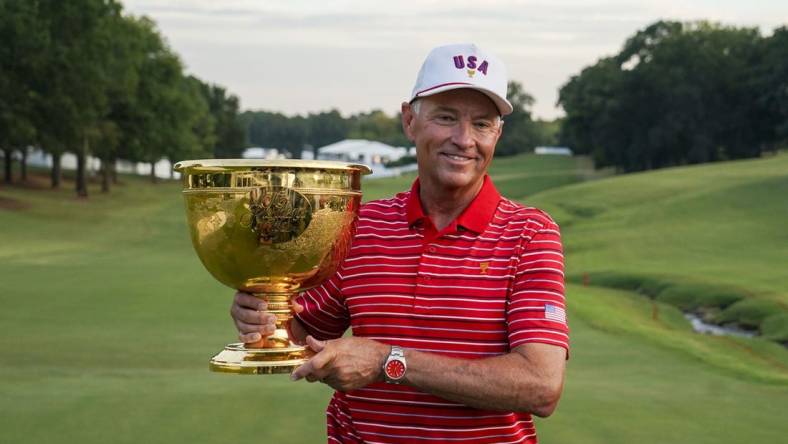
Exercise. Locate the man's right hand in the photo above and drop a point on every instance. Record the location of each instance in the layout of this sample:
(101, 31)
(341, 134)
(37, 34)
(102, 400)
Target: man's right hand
(251, 319)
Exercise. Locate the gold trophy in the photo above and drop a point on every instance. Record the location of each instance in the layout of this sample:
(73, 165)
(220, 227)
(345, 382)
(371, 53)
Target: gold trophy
(272, 228)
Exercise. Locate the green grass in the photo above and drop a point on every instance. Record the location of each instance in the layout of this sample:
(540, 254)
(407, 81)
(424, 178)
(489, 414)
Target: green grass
(109, 320)
(108, 317)
(724, 222)
(751, 313)
(717, 230)
(632, 379)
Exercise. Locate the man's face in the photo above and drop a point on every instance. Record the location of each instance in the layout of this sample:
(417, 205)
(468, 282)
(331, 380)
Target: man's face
(455, 133)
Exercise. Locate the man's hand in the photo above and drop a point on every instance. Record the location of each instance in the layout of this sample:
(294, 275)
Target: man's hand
(251, 319)
(345, 364)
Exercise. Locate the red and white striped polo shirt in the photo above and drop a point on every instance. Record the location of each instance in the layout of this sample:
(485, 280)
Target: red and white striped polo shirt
(490, 281)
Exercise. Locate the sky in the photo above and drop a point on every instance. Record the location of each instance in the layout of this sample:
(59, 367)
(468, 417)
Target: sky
(302, 56)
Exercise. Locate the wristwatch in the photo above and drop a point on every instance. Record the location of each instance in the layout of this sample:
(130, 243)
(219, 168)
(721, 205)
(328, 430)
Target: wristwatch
(395, 366)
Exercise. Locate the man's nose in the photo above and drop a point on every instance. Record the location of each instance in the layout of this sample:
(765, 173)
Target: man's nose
(463, 135)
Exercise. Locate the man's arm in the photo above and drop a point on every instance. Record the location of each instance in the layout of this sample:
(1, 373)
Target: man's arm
(528, 379)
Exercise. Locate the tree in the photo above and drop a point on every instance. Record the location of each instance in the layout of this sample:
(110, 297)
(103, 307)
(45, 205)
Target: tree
(377, 125)
(326, 128)
(166, 115)
(121, 78)
(770, 80)
(71, 84)
(676, 93)
(20, 59)
(202, 122)
(519, 132)
(269, 129)
(80, 76)
(229, 134)
(159, 104)
(194, 135)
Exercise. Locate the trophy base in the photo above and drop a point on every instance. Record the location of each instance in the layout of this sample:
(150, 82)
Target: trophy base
(236, 358)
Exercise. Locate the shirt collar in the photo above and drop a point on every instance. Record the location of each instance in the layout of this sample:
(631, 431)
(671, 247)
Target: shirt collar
(475, 217)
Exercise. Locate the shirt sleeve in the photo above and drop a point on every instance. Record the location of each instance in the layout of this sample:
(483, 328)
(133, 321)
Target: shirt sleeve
(325, 314)
(536, 311)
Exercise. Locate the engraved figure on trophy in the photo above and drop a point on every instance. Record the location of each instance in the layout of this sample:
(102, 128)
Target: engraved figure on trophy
(278, 214)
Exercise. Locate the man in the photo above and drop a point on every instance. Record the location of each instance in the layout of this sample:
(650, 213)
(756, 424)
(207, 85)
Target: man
(454, 294)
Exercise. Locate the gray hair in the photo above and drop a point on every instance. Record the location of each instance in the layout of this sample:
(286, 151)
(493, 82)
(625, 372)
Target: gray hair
(415, 106)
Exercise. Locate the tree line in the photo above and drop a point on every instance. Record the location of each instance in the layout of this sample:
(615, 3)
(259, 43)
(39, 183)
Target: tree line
(83, 77)
(80, 76)
(681, 93)
(295, 133)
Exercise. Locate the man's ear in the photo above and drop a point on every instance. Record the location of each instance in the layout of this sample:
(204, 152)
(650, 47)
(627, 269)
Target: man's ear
(408, 118)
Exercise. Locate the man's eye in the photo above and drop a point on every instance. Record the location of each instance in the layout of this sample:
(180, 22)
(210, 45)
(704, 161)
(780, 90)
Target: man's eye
(483, 124)
(446, 118)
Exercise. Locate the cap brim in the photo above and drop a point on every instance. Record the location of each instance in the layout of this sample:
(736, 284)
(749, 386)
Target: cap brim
(504, 107)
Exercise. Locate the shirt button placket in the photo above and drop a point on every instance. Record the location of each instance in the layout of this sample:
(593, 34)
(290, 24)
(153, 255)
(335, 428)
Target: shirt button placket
(422, 279)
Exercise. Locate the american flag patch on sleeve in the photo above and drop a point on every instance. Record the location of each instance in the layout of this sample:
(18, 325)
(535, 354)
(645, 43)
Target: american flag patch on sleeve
(554, 313)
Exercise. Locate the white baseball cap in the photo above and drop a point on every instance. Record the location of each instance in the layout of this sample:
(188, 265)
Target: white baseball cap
(463, 66)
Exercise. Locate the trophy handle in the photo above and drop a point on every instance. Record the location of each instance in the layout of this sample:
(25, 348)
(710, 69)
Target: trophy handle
(280, 305)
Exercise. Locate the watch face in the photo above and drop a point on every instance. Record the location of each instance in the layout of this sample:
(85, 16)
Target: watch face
(395, 369)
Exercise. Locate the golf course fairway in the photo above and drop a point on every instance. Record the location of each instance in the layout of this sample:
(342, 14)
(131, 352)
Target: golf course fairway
(109, 319)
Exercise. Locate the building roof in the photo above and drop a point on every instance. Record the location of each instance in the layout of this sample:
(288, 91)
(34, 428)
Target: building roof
(553, 150)
(361, 146)
(258, 152)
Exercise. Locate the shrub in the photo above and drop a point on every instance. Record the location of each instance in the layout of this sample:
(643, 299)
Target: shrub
(691, 297)
(775, 328)
(749, 312)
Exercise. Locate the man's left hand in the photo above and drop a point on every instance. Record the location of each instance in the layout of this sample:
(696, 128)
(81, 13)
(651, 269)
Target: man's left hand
(345, 364)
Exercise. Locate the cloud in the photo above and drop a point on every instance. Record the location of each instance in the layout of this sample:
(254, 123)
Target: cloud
(359, 55)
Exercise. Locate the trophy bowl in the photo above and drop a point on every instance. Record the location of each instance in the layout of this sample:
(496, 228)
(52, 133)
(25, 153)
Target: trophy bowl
(272, 228)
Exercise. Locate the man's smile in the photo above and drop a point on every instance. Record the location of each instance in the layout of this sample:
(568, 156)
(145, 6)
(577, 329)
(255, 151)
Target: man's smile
(458, 157)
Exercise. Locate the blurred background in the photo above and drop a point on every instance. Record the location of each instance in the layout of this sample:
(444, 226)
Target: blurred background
(655, 133)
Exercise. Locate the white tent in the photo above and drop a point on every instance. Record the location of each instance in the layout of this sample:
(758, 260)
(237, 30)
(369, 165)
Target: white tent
(257, 152)
(368, 152)
(553, 150)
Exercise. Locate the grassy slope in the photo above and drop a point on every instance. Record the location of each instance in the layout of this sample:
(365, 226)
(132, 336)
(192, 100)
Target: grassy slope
(714, 232)
(722, 222)
(108, 320)
(634, 380)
